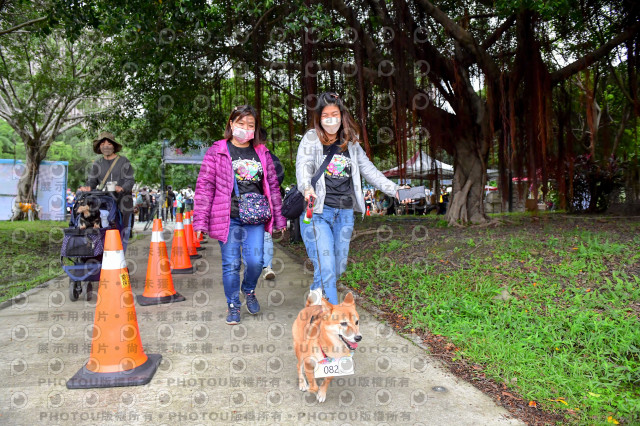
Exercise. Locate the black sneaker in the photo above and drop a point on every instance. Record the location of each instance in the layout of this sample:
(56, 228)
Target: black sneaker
(233, 314)
(252, 303)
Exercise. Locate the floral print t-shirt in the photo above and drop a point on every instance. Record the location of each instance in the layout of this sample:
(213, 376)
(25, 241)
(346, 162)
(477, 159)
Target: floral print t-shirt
(337, 180)
(247, 171)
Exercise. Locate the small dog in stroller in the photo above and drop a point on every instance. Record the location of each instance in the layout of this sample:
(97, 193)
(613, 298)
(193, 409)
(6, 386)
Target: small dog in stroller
(88, 214)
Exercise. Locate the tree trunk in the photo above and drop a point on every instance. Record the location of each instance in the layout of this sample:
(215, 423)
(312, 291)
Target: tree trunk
(309, 72)
(26, 184)
(466, 204)
(363, 101)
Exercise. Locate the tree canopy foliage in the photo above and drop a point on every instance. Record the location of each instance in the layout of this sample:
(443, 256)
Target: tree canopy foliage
(466, 79)
(49, 83)
(521, 85)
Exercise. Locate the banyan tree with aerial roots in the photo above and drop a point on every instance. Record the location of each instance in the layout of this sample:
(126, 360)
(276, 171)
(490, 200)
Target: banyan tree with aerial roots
(546, 92)
(489, 82)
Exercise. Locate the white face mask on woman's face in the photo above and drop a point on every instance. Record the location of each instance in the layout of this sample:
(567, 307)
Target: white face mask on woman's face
(331, 124)
(242, 135)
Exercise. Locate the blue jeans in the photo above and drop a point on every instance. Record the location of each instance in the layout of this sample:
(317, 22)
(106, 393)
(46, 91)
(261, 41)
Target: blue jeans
(268, 250)
(333, 229)
(244, 245)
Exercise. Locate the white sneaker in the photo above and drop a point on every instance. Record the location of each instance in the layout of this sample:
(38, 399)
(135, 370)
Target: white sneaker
(268, 273)
(315, 297)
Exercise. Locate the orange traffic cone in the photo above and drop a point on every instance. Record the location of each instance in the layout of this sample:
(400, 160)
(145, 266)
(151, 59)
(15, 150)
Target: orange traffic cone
(159, 283)
(196, 241)
(117, 357)
(368, 211)
(188, 231)
(180, 262)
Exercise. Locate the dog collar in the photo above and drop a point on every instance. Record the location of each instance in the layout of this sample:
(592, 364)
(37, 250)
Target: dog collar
(327, 359)
(323, 354)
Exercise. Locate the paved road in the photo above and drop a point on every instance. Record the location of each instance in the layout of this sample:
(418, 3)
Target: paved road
(215, 373)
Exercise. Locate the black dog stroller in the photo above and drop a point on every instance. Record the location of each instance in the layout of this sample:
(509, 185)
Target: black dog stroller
(84, 247)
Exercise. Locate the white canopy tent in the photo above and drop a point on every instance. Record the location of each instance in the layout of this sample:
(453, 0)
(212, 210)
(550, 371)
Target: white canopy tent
(422, 166)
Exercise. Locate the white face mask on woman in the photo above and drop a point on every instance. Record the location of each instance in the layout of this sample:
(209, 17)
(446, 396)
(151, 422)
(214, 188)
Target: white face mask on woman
(242, 135)
(331, 124)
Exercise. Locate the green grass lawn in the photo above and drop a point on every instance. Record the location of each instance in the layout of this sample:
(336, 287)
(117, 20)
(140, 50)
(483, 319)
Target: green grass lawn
(568, 334)
(30, 255)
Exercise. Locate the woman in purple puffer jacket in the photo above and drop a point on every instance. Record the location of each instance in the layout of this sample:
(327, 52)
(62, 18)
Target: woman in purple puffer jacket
(241, 157)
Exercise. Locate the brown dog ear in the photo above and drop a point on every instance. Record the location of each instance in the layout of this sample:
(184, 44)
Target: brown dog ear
(348, 299)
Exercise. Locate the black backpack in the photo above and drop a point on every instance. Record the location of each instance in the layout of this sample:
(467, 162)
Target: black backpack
(293, 202)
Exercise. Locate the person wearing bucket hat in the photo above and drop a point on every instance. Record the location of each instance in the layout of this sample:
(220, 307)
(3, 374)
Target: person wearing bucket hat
(112, 172)
(108, 136)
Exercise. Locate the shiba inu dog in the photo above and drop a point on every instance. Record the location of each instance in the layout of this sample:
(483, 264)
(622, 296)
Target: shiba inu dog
(324, 331)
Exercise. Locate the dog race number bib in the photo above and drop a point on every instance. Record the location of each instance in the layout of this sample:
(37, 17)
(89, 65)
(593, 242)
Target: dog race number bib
(330, 367)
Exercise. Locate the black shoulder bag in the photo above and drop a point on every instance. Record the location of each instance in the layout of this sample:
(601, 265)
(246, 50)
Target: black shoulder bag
(293, 202)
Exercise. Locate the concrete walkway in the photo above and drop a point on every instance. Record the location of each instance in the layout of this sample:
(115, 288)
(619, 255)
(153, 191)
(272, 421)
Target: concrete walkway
(215, 373)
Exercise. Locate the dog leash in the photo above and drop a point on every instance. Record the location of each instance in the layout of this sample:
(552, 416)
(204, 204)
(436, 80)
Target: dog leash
(309, 214)
(326, 358)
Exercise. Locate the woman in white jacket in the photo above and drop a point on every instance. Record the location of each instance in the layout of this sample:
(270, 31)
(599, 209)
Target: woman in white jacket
(338, 192)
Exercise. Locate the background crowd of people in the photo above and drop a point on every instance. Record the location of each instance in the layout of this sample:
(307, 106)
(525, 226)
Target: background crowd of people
(378, 203)
(153, 203)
